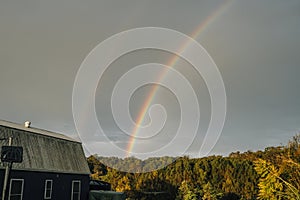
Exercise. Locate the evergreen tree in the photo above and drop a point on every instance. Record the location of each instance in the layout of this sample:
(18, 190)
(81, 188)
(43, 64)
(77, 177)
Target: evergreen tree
(186, 192)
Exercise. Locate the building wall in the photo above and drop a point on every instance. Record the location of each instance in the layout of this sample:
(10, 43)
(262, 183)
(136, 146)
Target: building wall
(34, 184)
(46, 155)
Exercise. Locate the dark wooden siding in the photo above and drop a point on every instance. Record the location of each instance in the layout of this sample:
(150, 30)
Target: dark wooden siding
(34, 184)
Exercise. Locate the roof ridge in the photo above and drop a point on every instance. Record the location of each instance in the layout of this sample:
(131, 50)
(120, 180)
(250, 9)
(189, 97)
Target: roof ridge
(37, 131)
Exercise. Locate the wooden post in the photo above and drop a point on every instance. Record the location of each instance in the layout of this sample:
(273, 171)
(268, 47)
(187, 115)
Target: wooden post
(7, 171)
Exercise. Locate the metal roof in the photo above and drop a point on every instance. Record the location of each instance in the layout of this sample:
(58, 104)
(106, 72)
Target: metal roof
(44, 150)
(36, 130)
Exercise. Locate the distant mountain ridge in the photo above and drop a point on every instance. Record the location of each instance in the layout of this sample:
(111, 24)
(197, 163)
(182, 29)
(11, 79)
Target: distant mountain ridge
(270, 174)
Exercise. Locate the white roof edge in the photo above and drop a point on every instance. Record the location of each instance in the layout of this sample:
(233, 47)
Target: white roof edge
(37, 131)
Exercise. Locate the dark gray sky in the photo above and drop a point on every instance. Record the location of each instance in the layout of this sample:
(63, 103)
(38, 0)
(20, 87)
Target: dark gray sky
(255, 45)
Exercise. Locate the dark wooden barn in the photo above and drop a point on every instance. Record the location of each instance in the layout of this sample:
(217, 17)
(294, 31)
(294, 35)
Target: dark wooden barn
(53, 167)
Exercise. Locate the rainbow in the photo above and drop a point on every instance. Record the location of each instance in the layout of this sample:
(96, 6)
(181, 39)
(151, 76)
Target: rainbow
(194, 35)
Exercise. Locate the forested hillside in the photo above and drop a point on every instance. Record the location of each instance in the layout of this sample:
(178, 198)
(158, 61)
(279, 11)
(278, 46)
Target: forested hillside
(270, 174)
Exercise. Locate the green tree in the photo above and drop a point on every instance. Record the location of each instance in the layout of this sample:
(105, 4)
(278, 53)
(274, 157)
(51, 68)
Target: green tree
(209, 193)
(123, 184)
(96, 167)
(280, 172)
(186, 192)
(270, 187)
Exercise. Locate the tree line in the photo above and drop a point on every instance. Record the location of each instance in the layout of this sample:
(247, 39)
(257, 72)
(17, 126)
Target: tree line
(270, 174)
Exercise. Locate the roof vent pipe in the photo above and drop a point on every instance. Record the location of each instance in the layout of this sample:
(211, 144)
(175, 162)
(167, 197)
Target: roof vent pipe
(27, 124)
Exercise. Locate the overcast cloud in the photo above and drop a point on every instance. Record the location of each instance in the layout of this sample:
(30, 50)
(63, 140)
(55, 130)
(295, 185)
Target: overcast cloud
(255, 44)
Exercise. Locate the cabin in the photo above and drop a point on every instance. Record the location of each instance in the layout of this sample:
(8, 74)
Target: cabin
(53, 165)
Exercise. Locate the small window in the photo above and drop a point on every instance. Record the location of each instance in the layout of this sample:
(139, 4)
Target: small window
(16, 189)
(75, 190)
(48, 189)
